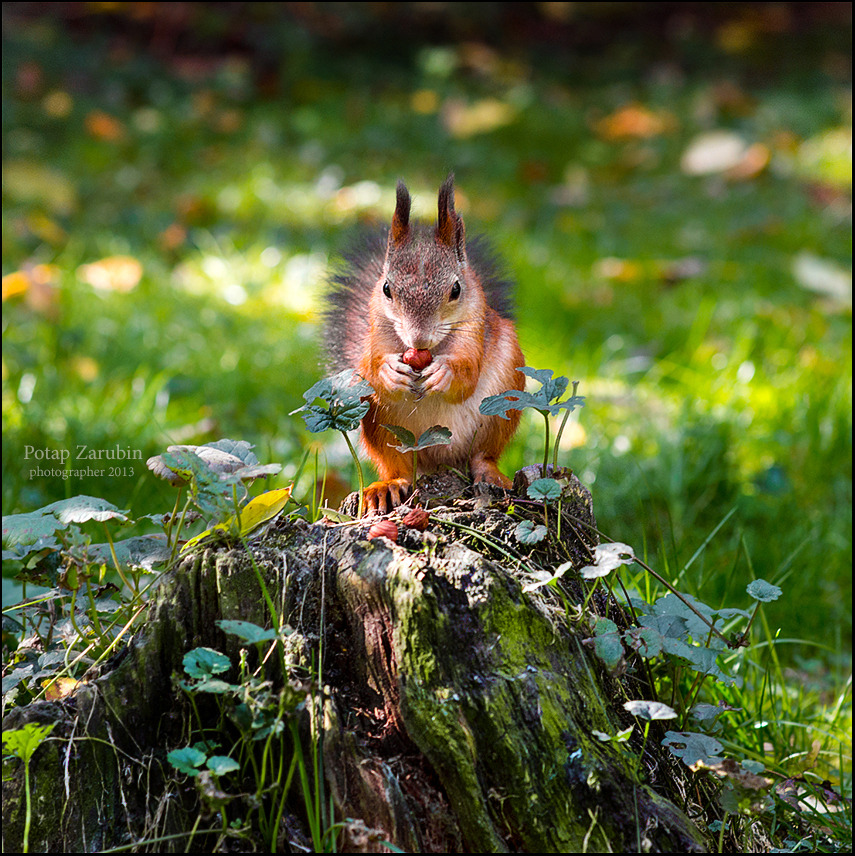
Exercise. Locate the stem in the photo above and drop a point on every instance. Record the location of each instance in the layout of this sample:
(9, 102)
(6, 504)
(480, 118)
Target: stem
(415, 467)
(171, 518)
(174, 553)
(358, 472)
(561, 431)
(28, 814)
(545, 414)
(125, 580)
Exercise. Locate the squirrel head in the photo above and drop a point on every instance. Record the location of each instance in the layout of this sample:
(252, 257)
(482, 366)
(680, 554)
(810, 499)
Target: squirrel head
(427, 291)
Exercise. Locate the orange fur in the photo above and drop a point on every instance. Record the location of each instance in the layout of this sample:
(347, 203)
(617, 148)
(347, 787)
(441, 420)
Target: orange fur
(428, 297)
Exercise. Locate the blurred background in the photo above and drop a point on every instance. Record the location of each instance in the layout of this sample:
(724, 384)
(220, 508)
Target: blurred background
(668, 183)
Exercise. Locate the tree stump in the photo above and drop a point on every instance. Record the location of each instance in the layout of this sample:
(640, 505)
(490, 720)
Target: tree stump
(455, 711)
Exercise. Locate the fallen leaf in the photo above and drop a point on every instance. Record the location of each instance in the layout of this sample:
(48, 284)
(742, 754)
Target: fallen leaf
(713, 152)
(464, 120)
(824, 277)
(634, 121)
(115, 273)
(60, 688)
(32, 182)
(103, 126)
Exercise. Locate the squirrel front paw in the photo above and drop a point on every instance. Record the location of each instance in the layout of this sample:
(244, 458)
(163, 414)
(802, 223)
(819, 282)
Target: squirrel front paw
(436, 377)
(397, 376)
(382, 496)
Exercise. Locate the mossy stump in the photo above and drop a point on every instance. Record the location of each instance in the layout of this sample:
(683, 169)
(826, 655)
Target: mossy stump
(457, 709)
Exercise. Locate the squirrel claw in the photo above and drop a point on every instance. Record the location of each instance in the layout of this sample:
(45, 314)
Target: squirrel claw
(382, 496)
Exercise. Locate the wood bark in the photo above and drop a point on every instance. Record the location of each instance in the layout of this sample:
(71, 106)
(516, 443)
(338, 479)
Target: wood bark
(456, 711)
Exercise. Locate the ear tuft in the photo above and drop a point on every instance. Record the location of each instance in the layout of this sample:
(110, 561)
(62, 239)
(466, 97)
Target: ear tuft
(400, 230)
(449, 225)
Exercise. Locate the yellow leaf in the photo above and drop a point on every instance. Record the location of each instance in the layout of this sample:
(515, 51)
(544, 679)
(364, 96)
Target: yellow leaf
(254, 513)
(14, 284)
(262, 508)
(464, 120)
(59, 688)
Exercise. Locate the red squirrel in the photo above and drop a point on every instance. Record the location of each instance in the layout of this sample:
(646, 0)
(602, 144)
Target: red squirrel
(424, 318)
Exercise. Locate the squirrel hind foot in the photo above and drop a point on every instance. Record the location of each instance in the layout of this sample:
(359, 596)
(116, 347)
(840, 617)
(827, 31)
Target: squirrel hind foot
(484, 470)
(382, 496)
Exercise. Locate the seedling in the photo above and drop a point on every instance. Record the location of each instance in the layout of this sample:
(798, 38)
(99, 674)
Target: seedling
(544, 401)
(345, 395)
(435, 436)
(22, 743)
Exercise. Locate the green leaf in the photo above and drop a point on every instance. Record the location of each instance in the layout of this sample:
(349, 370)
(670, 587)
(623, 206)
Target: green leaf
(607, 557)
(406, 437)
(210, 685)
(545, 577)
(513, 399)
(691, 747)
(225, 458)
(763, 591)
(434, 436)
(703, 712)
(144, 551)
(222, 764)
(203, 662)
(344, 397)
(542, 400)
(28, 528)
(645, 640)
(545, 490)
(247, 631)
(650, 709)
(23, 742)
(527, 532)
(186, 760)
(551, 388)
(607, 644)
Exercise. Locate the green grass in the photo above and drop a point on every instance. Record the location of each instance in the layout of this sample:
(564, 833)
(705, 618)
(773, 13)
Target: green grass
(726, 388)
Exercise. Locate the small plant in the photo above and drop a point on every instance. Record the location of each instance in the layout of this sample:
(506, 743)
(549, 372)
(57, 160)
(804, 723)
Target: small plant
(22, 743)
(96, 595)
(435, 436)
(345, 397)
(544, 401)
(267, 749)
(216, 473)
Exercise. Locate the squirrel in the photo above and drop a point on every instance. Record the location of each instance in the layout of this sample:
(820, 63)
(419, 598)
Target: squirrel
(425, 318)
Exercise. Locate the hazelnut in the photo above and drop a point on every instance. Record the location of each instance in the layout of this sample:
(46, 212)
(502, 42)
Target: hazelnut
(417, 518)
(383, 529)
(416, 359)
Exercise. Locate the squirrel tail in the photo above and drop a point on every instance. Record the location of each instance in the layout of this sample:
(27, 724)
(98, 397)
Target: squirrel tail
(345, 315)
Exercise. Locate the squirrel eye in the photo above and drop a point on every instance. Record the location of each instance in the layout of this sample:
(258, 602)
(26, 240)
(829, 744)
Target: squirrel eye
(455, 291)
(387, 292)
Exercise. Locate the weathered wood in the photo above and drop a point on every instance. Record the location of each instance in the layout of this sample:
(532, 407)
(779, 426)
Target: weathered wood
(457, 710)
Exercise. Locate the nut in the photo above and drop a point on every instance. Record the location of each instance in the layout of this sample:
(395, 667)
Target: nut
(417, 518)
(383, 529)
(417, 360)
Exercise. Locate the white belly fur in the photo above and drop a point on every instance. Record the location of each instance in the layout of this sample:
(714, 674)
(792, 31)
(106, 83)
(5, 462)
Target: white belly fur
(464, 420)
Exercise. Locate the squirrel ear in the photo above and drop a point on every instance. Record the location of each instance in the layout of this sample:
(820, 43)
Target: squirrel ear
(449, 225)
(401, 218)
